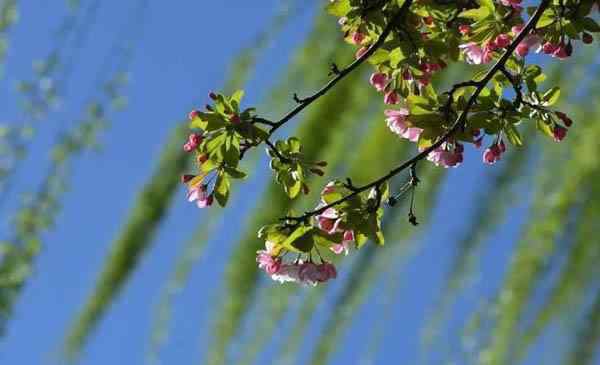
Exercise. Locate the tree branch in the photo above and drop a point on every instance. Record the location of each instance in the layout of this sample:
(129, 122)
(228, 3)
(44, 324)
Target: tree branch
(458, 124)
(303, 103)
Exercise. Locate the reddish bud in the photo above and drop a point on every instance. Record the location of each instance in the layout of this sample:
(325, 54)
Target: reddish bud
(559, 132)
(587, 38)
(235, 119)
(502, 146)
(464, 29)
(317, 172)
(428, 20)
(549, 48)
(565, 119)
(187, 178)
(202, 158)
(193, 114)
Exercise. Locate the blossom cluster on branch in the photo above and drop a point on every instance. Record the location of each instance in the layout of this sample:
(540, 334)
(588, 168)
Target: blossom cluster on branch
(408, 43)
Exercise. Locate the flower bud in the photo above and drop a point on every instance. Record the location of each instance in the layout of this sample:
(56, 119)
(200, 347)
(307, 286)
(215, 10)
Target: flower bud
(587, 38)
(235, 119)
(212, 95)
(193, 114)
(464, 29)
(559, 133)
(187, 178)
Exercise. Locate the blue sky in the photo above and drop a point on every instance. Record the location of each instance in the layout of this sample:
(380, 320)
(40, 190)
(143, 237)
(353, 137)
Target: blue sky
(183, 53)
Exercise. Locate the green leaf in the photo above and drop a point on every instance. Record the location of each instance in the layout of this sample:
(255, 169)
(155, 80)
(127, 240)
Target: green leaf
(489, 4)
(551, 96)
(590, 25)
(300, 246)
(396, 56)
(513, 135)
(476, 14)
(222, 189)
(339, 8)
(379, 56)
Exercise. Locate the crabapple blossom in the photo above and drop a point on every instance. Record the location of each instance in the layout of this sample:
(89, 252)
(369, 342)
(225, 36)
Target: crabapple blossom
(397, 121)
(379, 81)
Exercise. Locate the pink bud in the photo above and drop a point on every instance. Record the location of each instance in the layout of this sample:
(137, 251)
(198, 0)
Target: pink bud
(464, 29)
(358, 38)
(235, 119)
(202, 158)
(193, 114)
(559, 132)
(391, 97)
(502, 146)
(522, 50)
(379, 81)
(187, 178)
(517, 29)
(502, 40)
(549, 48)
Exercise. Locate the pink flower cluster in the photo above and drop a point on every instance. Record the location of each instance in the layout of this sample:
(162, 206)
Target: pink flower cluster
(447, 155)
(330, 222)
(515, 4)
(194, 140)
(199, 194)
(308, 273)
(493, 153)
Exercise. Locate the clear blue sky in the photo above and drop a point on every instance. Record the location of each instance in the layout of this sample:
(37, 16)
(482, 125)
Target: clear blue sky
(183, 53)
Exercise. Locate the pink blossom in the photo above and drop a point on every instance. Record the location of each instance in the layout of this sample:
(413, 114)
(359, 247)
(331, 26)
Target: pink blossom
(502, 40)
(532, 41)
(516, 4)
(447, 156)
(194, 140)
(329, 188)
(464, 29)
(329, 221)
(200, 195)
(516, 29)
(193, 114)
(391, 97)
(329, 269)
(271, 265)
(358, 38)
(397, 121)
(379, 81)
(493, 154)
(559, 132)
(474, 54)
(344, 247)
(560, 52)
(312, 274)
(549, 48)
(287, 273)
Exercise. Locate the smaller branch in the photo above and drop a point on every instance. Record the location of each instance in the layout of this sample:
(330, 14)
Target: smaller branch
(276, 151)
(303, 103)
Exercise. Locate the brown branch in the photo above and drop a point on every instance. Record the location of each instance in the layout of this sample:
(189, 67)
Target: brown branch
(458, 124)
(303, 103)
